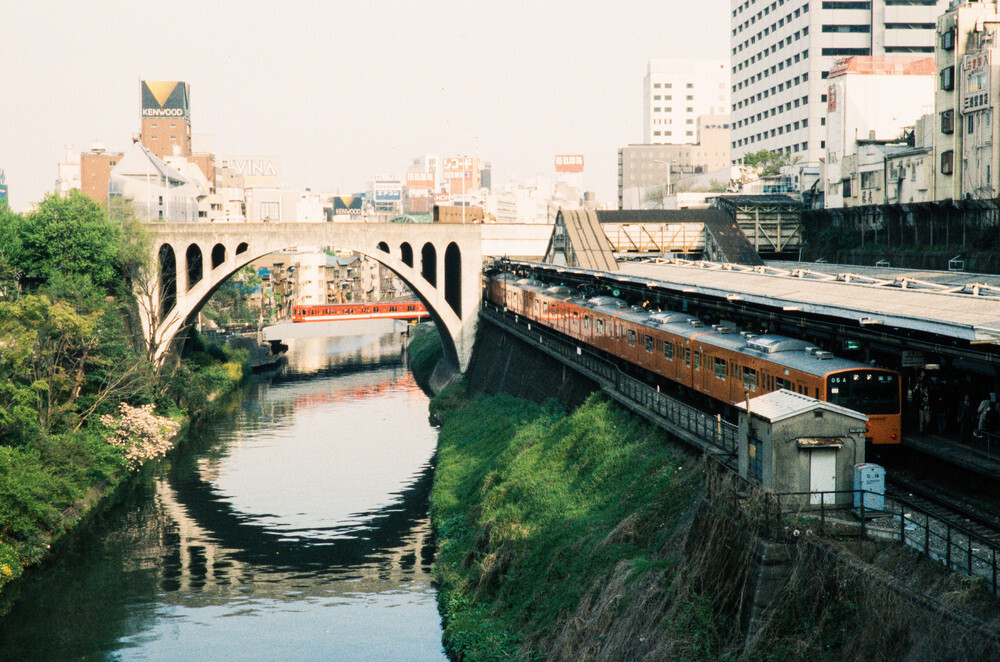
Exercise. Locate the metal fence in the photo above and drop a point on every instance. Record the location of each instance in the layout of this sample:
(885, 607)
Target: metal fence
(953, 545)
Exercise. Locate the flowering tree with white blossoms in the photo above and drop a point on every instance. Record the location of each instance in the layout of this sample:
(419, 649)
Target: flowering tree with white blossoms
(140, 433)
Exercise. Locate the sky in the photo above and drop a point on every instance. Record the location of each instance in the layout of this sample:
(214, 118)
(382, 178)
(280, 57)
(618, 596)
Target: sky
(343, 90)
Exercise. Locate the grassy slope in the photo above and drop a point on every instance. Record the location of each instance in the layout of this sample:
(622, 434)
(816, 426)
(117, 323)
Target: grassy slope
(533, 507)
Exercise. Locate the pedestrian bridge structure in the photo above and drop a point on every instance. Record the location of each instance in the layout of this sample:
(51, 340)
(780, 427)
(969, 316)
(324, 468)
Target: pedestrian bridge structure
(441, 263)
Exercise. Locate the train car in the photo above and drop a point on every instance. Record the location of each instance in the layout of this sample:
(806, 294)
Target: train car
(719, 362)
(357, 311)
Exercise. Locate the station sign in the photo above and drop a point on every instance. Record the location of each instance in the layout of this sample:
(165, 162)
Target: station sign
(911, 359)
(569, 163)
(975, 81)
(165, 98)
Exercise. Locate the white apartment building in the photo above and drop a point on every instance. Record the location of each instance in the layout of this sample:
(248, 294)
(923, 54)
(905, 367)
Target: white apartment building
(783, 50)
(871, 99)
(676, 93)
(968, 127)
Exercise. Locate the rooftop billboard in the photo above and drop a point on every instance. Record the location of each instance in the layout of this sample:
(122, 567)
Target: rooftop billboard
(569, 163)
(257, 171)
(166, 98)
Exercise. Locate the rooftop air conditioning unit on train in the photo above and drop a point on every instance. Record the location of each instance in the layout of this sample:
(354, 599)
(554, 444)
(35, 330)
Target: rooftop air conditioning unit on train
(823, 355)
(696, 323)
(722, 329)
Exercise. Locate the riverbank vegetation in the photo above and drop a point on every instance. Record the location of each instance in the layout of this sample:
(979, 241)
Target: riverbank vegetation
(423, 351)
(534, 507)
(80, 400)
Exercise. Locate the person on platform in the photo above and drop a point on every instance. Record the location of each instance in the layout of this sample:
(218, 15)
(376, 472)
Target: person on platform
(966, 415)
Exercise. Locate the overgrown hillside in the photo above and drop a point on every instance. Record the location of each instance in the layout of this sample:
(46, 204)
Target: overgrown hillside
(534, 508)
(589, 536)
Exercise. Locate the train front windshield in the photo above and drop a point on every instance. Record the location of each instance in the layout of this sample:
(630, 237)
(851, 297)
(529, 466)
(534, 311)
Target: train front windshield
(867, 391)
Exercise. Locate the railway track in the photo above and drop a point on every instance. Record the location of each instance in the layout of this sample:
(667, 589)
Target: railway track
(944, 506)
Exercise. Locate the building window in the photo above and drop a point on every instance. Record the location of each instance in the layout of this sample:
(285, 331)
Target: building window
(948, 40)
(656, 85)
(862, 27)
(946, 162)
(948, 79)
(269, 211)
(845, 51)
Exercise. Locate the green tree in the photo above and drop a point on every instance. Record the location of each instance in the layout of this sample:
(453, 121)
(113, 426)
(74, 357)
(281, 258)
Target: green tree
(10, 248)
(72, 236)
(765, 163)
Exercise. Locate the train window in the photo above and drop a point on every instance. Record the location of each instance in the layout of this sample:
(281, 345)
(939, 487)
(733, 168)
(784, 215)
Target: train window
(668, 350)
(649, 343)
(720, 368)
(750, 379)
(586, 322)
(697, 360)
(631, 337)
(600, 326)
(687, 356)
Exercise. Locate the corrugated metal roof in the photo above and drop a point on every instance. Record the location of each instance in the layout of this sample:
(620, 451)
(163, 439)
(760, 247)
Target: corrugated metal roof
(780, 405)
(590, 246)
(974, 319)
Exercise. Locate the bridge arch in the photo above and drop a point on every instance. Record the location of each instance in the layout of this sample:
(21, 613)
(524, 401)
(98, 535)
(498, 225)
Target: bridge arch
(453, 277)
(448, 288)
(167, 274)
(218, 255)
(195, 265)
(428, 263)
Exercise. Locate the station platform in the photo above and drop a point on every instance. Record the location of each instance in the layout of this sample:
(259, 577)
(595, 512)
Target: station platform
(956, 453)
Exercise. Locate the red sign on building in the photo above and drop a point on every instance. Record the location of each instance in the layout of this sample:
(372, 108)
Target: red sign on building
(569, 163)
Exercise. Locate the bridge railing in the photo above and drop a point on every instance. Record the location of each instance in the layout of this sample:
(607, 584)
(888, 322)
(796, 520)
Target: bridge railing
(714, 435)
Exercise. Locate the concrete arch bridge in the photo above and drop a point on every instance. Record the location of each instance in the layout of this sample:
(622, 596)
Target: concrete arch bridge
(441, 263)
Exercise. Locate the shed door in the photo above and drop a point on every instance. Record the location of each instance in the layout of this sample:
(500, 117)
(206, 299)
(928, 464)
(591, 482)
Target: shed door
(823, 474)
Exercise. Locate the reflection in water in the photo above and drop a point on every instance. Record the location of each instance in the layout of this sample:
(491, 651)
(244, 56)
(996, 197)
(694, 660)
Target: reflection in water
(294, 528)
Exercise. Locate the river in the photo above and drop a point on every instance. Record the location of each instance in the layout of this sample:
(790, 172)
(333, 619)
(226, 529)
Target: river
(291, 526)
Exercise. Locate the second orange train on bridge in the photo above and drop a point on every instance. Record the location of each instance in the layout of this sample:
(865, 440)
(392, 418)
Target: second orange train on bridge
(400, 310)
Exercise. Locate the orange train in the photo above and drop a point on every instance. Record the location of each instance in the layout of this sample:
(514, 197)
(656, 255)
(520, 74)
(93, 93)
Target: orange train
(360, 311)
(717, 361)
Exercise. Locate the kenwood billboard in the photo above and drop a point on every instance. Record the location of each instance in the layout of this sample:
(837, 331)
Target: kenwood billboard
(166, 98)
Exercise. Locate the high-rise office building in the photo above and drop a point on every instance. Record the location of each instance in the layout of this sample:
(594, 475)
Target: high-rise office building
(783, 50)
(676, 93)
